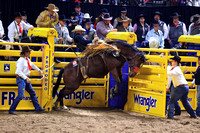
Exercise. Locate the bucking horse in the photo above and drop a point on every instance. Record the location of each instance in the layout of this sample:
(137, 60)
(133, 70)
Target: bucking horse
(98, 65)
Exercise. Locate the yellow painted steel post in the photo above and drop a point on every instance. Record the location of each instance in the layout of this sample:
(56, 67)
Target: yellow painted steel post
(51, 40)
(45, 81)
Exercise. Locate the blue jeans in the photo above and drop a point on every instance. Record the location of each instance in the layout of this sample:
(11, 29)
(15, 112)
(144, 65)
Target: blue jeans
(198, 100)
(180, 92)
(22, 86)
(176, 104)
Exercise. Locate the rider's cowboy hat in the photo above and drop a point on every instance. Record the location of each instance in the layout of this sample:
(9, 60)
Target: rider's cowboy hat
(87, 15)
(194, 18)
(107, 16)
(78, 28)
(52, 7)
(176, 58)
(126, 19)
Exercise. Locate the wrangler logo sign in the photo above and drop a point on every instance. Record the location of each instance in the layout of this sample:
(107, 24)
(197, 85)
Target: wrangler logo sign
(145, 101)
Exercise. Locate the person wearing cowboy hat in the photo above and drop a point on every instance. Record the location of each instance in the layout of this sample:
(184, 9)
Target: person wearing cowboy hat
(163, 25)
(155, 32)
(104, 27)
(63, 33)
(1, 28)
(140, 29)
(176, 29)
(89, 33)
(78, 14)
(194, 27)
(180, 90)
(15, 30)
(125, 27)
(118, 21)
(79, 39)
(87, 17)
(103, 11)
(23, 69)
(48, 18)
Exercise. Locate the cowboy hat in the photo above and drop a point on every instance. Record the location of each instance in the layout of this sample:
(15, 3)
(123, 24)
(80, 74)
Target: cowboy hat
(88, 20)
(87, 15)
(123, 9)
(175, 14)
(25, 49)
(141, 15)
(107, 16)
(176, 58)
(104, 10)
(78, 28)
(17, 14)
(52, 7)
(127, 19)
(157, 13)
(155, 22)
(62, 17)
(194, 18)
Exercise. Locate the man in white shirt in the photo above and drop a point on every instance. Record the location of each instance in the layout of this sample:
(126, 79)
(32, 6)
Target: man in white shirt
(15, 29)
(1, 29)
(180, 90)
(23, 68)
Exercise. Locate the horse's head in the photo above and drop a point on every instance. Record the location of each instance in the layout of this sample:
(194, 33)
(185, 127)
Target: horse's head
(135, 63)
(133, 56)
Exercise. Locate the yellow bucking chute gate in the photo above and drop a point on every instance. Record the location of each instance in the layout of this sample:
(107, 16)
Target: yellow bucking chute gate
(42, 86)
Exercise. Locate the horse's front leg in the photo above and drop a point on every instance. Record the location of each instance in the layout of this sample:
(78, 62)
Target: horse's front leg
(118, 79)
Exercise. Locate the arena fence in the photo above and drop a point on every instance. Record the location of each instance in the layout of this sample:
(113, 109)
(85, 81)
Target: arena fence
(147, 90)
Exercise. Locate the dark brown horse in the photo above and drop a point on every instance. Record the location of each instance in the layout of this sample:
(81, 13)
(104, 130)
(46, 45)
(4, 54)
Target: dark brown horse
(99, 66)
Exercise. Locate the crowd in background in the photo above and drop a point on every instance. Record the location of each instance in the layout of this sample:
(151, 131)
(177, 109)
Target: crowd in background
(79, 29)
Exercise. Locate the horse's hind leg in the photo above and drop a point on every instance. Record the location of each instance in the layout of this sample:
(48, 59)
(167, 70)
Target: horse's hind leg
(118, 79)
(64, 92)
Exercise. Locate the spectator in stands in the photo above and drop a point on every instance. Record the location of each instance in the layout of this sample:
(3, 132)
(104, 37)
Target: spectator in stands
(163, 26)
(25, 32)
(63, 33)
(1, 28)
(104, 10)
(48, 18)
(118, 20)
(104, 27)
(125, 27)
(79, 39)
(78, 14)
(15, 29)
(176, 29)
(89, 32)
(155, 32)
(196, 81)
(86, 17)
(194, 27)
(141, 28)
(181, 89)
(23, 68)
(72, 23)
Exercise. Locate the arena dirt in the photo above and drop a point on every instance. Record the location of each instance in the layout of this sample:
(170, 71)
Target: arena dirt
(95, 120)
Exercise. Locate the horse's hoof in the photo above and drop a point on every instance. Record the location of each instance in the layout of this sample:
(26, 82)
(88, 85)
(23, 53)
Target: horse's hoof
(64, 107)
(112, 93)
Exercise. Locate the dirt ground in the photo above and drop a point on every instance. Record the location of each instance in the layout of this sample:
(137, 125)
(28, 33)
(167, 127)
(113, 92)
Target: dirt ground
(98, 120)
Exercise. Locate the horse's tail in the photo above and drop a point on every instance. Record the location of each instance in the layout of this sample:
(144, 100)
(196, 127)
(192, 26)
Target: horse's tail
(55, 88)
